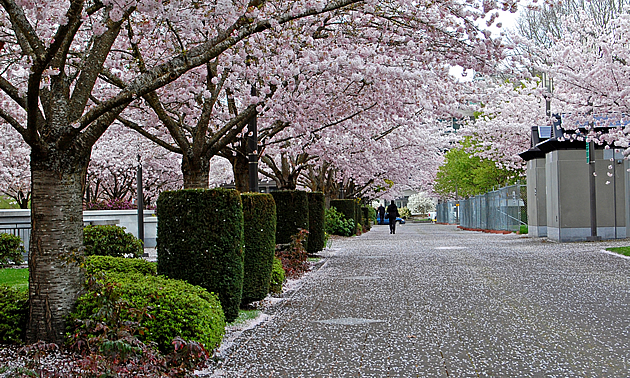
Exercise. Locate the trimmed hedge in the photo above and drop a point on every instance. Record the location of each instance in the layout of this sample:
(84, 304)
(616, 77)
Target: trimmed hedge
(110, 241)
(277, 276)
(10, 249)
(259, 214)
(200, 240)
(365, 212)
(13, 315)
(316, 219)
(291, 214)
(112, 264)
(174, 308)
(347, 207)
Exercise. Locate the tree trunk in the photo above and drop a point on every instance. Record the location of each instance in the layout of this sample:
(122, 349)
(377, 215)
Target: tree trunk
(240, 168)
(56, 247)
(196, 172)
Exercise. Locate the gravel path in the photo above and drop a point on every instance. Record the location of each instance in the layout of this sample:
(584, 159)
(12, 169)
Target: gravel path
(435, 301)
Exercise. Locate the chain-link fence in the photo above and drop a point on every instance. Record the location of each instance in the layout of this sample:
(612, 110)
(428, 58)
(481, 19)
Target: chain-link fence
(504, 209)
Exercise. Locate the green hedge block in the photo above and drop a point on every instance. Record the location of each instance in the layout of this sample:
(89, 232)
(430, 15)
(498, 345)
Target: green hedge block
(316, 219)
(110, 241)
(95, 264)
(259, 214)
(200, 240)
(291, 214)
(13, 315)
(176, 308)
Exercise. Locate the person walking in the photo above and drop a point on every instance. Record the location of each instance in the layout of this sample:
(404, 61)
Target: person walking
(392, 214)
(381, 214)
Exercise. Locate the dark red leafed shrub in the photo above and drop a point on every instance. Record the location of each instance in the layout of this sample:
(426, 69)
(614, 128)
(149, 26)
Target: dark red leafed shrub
(111, 204)
(294, 257)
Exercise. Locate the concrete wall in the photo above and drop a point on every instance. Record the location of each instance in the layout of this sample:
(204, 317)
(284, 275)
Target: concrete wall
(536, 198)
(568, 198)
(21, 219)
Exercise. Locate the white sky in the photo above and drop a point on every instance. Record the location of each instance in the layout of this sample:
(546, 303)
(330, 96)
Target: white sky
(508, 21)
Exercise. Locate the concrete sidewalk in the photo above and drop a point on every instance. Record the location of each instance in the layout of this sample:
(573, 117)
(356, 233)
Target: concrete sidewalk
(435, 301)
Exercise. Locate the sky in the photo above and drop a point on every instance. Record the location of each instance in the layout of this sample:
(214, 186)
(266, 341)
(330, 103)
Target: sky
(508, 21)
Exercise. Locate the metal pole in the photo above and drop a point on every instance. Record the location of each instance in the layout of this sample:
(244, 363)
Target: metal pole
(140, 202)
(615, 192)
(252, 150)
(593, 193)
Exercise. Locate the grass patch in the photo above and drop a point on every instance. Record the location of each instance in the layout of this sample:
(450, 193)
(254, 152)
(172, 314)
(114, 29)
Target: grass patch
(244, 316)
(8, 203)
(620, 250)
(17, 278)
(523, 229)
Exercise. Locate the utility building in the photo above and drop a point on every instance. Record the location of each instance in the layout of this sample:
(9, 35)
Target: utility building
(561, 193)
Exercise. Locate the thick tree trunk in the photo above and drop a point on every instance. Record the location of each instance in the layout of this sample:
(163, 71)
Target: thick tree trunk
(196, 172)
(240, 168)
(56, 248)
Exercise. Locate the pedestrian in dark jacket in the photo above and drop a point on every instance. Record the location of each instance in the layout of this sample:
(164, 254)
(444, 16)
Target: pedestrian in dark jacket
(392, 214)
(381, 214)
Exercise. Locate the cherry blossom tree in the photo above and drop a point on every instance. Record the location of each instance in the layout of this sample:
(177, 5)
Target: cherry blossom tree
(505, 112)
(589, 68)
(15, 177)
(284, 73)
(112, 172)
(53, 54)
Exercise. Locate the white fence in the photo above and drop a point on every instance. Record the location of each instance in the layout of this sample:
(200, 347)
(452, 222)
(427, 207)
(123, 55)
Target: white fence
(18, 222)
(504, 209)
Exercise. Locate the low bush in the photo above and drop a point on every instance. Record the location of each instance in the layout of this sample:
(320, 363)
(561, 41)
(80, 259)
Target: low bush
(110, 241)
(277, 276)
(11, 249)
(404, 213)
(294, 257)
(95, 264)
(337, 224)
(349, 208)
(13, 315)
(160, 310)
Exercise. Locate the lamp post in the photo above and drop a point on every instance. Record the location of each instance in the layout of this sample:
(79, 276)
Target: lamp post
(140, 202)
(252, 149)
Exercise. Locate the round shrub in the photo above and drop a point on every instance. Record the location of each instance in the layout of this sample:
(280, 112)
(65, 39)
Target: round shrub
(337, 224)
(173, 308)
(404, 213)
(110, 241)
(277, 276)
(13, 315)
(347, 207)
(11, 249)
(200, 240)
(259, 215)
(316, 219)
(95, 264)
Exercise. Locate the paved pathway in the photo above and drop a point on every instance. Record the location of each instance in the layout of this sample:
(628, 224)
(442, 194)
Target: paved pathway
(435, 301)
